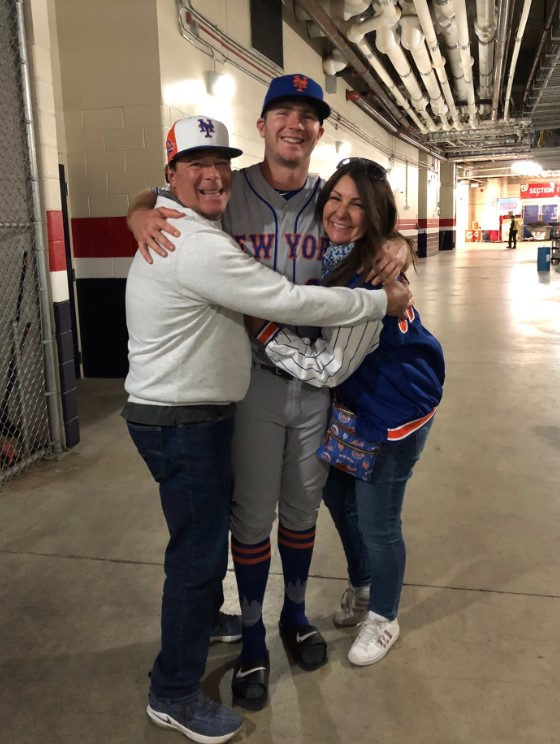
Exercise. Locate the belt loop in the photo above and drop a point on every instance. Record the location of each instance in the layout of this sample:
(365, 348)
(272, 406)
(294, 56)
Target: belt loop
(274, 371)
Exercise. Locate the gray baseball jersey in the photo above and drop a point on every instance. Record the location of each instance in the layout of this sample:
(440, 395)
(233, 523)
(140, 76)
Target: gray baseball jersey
(282, 234)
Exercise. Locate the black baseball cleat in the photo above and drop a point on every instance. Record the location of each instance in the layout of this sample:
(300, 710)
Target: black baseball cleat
(249, 683)
(306, 645)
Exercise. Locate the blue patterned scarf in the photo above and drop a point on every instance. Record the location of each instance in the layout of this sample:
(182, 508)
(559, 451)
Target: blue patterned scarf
(333, 256)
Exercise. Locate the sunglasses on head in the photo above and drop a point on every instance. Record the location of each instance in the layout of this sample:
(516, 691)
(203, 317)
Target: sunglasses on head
(375, 171)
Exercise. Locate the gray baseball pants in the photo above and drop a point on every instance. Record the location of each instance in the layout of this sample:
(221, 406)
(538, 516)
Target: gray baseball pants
(278, 427)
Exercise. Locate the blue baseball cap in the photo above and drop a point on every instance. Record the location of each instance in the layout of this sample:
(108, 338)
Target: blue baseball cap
(298, 87)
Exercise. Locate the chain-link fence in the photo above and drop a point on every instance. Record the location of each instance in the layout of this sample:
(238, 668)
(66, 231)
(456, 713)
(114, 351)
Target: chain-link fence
(24, 429)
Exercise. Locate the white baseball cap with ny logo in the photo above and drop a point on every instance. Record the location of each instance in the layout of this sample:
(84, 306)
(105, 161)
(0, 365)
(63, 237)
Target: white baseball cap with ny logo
(198, 133)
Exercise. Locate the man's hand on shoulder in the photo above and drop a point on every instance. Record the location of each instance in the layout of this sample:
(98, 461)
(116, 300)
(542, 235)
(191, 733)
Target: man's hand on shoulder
(149, 226)
(399, 298)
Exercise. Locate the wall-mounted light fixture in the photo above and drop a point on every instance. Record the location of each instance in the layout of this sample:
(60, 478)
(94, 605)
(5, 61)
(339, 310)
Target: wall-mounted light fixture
(220, 84)
(343, 149)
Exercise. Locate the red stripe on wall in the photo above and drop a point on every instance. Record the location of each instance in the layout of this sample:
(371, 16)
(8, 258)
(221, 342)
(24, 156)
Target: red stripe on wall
(426, 224)
(55, 236)
(102, 237)
(447, 221)
(407, 225)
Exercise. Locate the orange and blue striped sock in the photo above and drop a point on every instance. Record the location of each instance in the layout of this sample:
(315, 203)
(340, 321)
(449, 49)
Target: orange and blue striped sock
(252, 565)
(296, 551)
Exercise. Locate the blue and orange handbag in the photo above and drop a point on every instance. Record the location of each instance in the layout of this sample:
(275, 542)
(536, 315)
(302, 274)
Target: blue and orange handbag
(344, 449)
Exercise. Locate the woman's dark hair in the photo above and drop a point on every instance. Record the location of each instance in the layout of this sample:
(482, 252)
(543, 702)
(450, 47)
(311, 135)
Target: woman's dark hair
(380, 213)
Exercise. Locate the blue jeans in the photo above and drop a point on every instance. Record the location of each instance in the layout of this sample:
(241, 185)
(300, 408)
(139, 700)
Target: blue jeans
(340, 499)
(368, 519)
(191, 463)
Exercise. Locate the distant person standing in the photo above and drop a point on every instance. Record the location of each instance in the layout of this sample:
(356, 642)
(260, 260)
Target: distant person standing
(513, 230)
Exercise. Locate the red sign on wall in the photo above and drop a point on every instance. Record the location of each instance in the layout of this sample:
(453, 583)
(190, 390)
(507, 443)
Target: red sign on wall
(542, 190)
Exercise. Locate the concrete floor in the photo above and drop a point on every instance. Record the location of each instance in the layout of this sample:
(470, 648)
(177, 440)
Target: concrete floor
(479, 655)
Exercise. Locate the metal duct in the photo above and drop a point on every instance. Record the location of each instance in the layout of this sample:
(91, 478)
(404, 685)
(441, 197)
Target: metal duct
(333, 34)
(437, 60)
(501, 38)
(485, 29)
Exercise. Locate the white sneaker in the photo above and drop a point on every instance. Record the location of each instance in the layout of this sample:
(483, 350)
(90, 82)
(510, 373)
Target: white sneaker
(353, 606)
(375, 638)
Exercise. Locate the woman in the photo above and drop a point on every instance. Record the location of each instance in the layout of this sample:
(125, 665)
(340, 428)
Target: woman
(390, 373)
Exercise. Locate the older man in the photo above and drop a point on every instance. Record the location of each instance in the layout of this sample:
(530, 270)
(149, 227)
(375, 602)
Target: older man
(190, 361)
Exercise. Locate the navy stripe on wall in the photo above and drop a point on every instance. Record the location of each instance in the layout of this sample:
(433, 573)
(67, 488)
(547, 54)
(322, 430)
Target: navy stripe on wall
(67, 372)
(103, 327)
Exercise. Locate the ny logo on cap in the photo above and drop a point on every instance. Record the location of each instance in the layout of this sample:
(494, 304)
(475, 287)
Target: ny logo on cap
(300, 83)
(206, 125)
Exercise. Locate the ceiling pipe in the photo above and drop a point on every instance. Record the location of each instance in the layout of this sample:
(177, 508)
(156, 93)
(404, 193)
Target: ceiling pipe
(387, 80)
(438, 62)
(358, 99)
(539, 52)
(386, 40)
(388, 16)
(446, 25)
(515, 54)
(355, 7)
(333, 34)
(485, 29)
(414, 41)
(466, 59)
(501, 36)
(335, 62)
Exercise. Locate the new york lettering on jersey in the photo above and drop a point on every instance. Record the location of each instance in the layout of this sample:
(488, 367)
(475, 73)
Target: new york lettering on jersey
(262, 246)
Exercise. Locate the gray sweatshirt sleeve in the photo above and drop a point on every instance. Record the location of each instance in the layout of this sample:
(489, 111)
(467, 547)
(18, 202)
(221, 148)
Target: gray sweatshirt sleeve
(211, 265)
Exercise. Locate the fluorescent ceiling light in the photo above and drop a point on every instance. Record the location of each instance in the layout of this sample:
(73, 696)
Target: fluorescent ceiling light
(526, 168)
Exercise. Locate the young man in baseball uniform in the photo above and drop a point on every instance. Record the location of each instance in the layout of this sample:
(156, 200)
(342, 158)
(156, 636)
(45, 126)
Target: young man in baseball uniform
(280, 422)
